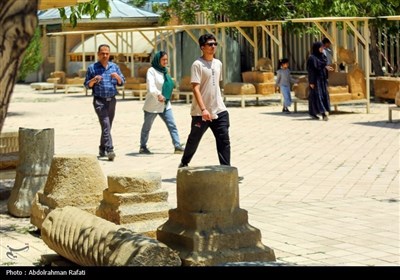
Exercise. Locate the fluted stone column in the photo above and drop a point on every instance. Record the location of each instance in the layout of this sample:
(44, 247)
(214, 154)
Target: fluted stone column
(36, 150)
(73, 180)
(92, 241)
(208, 227)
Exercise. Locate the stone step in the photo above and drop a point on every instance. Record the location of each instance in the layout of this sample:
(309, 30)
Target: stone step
(212, 240)
(129, 198)
(132, 213)
(147, 228)
(143, 211)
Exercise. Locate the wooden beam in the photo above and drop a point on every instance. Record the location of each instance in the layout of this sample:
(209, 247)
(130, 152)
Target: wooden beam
(50, 4)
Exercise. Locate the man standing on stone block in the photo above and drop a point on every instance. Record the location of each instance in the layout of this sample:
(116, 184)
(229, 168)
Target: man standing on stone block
(208, 109)
(103, 77)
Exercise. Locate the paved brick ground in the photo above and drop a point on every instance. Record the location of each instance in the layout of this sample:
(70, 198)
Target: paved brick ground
(322, 193)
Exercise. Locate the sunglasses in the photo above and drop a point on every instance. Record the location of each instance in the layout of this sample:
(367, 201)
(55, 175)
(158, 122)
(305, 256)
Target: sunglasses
(211, 44)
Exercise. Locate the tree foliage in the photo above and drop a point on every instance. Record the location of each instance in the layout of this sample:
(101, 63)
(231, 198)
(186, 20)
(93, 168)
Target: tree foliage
(92, 8)
(137, 3)
(277, 10)
(32, 58)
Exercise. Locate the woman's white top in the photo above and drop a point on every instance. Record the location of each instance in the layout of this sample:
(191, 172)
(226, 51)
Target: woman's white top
(155, 81)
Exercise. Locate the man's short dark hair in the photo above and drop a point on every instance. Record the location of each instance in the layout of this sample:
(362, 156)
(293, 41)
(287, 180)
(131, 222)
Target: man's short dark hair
(103, 45)
(326, 41)
(205, 37)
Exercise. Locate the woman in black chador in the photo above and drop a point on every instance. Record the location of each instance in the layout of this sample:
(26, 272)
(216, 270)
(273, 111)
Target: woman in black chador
(318, 97)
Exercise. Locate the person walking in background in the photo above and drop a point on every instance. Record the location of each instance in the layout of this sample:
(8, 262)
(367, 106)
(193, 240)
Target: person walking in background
(103, 77)
(284, 81)
(327, 50)
(318, 96)
(159, 91)
(208, 109)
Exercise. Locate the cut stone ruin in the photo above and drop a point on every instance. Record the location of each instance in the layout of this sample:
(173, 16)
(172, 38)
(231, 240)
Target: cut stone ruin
(208, 227)
(36, 150)
(73, 180)
(135, 200)
(88, 240)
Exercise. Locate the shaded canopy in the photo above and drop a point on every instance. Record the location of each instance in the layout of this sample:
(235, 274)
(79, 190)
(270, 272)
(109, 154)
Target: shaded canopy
(139, 44)
(120, 11)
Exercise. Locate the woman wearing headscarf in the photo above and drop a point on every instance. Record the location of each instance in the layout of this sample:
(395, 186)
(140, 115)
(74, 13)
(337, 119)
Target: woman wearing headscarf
(159, 91)
(318, 96)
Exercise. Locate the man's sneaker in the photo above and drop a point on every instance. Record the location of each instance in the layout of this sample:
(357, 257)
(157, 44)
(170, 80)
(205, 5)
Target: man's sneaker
(102, 153)
(144, 150)
(179, 150)
(182, 165)
(111, 155)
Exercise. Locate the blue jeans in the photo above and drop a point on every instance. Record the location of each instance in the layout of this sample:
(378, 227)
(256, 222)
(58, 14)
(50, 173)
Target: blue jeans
(287, 99)
(168, 119)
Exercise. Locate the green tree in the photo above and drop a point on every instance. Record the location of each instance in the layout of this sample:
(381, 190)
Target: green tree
(18, 21)
(32, 58)
(92, 8)
(254, 10)
(137, 3)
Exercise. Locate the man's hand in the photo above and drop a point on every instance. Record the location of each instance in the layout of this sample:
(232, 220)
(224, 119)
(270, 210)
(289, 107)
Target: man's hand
(205, 115)
(115, 75)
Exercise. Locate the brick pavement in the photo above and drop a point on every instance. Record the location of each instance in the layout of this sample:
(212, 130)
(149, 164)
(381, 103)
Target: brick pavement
(322, 193)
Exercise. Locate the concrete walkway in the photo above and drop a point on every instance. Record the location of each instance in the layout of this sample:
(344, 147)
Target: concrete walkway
(322, 193)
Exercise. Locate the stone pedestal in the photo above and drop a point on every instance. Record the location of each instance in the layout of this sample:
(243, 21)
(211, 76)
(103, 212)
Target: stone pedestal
(91, 241)
(74, 180)
(36, 150)
(135, 201)
(208, 227)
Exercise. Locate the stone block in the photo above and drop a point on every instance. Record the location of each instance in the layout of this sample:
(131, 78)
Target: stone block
(141, 182)
(265, 88)
(73, 180)
(257, 77)
(264, 64)
(356, 82)
(338, 89)
(301, 90)
(135, 200)
(386, 87)
(340, 97)
(239, 88)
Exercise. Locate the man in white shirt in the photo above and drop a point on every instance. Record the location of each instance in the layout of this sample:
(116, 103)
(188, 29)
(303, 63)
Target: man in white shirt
(208, 109)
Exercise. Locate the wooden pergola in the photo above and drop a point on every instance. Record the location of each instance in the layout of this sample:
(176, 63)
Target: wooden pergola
(50, 4)
(164, 37)
(271, 31)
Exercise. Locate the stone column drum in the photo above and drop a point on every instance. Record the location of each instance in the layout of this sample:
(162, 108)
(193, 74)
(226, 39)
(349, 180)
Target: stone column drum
(74, 180)
(92, 241)
(208, 227)
(36, 150)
